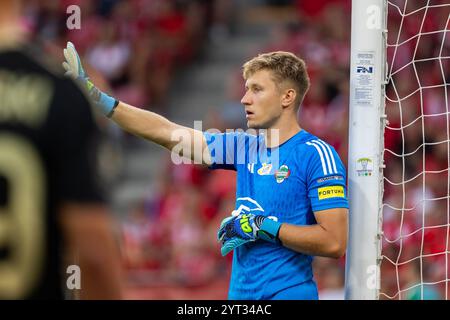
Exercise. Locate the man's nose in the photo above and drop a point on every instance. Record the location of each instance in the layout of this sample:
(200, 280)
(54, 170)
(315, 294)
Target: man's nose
(245, 99)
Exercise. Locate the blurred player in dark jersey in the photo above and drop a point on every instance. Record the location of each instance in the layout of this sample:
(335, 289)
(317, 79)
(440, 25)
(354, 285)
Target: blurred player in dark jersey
(51, 210)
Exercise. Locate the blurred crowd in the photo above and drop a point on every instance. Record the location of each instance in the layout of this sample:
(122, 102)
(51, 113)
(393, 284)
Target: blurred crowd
(169, 238)
(126, 39)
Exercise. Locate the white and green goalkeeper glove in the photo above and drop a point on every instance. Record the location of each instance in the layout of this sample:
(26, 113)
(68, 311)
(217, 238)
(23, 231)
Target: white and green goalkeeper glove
(235, 231)
(105, 103)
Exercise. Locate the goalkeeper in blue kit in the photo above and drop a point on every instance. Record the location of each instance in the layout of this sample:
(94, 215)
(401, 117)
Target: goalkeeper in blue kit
(291, 198)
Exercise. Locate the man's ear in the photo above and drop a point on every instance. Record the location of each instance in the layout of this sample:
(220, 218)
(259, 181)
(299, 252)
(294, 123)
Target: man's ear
(288, 97)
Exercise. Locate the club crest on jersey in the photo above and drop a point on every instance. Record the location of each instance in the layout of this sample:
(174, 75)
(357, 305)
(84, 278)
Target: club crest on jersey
(282, 173)
(265, 169)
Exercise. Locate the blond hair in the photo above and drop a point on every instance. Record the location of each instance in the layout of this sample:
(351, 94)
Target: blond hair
(285, 66)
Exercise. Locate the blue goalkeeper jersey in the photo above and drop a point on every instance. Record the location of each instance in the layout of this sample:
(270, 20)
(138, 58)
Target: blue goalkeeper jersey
(287, 183)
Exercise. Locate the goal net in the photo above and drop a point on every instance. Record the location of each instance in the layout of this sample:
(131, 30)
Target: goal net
(414, 261)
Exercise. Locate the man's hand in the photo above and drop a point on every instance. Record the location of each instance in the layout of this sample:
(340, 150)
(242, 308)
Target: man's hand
(237, 230)
(74, 69)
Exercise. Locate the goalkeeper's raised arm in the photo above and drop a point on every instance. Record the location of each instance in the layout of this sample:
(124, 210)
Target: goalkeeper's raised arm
(145, 124)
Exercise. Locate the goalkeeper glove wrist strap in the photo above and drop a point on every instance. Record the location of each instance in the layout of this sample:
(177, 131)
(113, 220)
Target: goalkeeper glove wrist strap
(109, 104)
(103, 101)
(269, 230)
(106, 104)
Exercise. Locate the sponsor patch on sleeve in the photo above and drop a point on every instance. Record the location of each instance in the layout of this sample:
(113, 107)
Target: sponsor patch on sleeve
(331, 192)
(330, 178)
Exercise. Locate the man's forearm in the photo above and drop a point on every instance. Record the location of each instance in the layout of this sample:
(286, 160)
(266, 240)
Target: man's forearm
(145, 124)
(90, 242)
(102, 279)
(312, 240)
(151, 126)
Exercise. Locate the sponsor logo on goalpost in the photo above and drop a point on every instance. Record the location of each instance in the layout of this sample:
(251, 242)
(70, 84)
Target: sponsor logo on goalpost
(364, 79)
(364, 167)
(361, 69)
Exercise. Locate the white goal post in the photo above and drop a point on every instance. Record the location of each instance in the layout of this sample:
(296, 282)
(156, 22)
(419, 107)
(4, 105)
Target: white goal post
(365, 162)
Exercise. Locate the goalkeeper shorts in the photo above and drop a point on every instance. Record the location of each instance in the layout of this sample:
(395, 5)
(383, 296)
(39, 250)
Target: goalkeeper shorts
(304, 291)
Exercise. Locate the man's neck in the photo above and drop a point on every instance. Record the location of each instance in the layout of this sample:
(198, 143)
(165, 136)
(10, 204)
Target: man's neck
(10, 35)
(11, 32)
(276, 136)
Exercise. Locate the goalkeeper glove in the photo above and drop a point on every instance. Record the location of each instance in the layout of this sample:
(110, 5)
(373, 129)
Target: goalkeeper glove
(237, 230)
(103, 102)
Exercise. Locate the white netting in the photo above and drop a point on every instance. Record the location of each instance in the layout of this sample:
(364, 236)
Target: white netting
(416, 204)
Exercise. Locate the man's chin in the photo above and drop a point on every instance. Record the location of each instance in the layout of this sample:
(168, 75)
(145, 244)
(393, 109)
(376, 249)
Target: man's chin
(254, 125)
